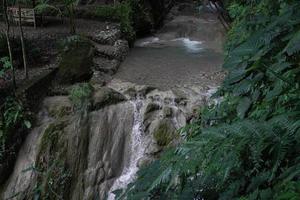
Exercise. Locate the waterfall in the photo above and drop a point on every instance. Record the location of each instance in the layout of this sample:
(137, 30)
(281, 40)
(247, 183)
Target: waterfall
(137, 150)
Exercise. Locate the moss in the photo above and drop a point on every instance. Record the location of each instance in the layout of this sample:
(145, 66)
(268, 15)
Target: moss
(165, 133)
(53, 177)
(51, 135)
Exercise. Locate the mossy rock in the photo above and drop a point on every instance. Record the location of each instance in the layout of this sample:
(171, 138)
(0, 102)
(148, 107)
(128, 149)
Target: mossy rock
(165, 133)
(76, 62)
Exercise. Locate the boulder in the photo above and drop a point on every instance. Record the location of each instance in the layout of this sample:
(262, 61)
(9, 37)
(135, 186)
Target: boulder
(109, 36)
(118, 51)
(106, 65)
(76, 62)
(152, 107)
(105, 96)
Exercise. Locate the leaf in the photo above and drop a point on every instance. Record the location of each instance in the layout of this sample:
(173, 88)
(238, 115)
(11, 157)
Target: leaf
(27, 124)
(294, 45)
(243, 107)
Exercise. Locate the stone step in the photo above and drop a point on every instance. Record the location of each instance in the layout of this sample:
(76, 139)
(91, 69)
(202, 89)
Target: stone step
(106, 65)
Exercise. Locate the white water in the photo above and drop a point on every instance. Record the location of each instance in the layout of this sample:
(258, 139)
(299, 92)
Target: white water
(137, 151)
(192, 46)
(147, 41)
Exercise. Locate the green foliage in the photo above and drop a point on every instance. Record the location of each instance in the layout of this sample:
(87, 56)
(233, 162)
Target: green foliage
(5, 65)
(72, 41)
(247, 146)
(68, 9)
(80, 95)
(13, 116)
(44, 6)
(122, 12)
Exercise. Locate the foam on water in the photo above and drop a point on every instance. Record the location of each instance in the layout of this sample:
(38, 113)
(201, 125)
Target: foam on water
(147, 41)
(192, 46)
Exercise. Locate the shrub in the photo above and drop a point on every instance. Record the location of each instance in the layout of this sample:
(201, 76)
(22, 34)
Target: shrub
(80, 95)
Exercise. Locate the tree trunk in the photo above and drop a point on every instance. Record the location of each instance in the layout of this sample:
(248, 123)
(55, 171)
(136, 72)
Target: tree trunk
(22, 43)
(72, 19)
(7, 34)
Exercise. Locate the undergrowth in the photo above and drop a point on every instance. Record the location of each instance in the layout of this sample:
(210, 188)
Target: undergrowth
(248, 146)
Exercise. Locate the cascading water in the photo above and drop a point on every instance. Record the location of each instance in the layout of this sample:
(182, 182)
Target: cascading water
(137, 149)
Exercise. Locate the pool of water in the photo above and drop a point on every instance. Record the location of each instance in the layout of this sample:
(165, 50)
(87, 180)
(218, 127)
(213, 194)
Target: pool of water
(186, 51)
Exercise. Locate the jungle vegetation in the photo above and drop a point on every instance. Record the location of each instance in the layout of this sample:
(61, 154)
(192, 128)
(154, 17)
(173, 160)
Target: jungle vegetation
(247, 146)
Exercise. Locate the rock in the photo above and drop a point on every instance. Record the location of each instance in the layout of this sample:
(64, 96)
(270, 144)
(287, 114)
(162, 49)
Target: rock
(58, 106)
(100, 175)
(153, 149)
(131, 92)
(168, 112)
(105, 96)
(146, 89)
(118, 51)
(152, 107)
(90, 177)
(106, 65)
(151, 113)
(107, 36)
(76, 62)
(180, 96)
(143, 162)
(100, 78)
